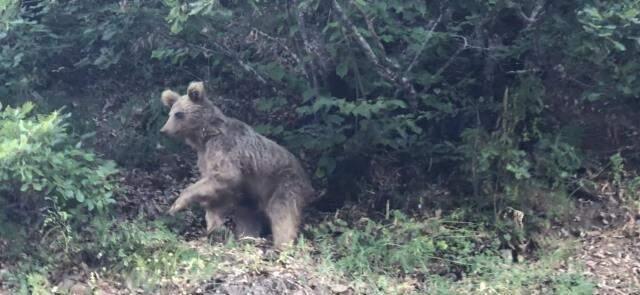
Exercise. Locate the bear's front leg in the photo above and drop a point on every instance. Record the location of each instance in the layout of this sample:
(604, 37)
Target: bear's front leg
(203, 188)
(210, 189)
(179, 204)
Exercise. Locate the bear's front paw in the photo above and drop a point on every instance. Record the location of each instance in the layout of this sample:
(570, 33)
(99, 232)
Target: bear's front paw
(177, 206)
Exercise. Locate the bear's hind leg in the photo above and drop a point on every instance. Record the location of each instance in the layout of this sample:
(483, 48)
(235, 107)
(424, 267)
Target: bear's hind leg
(284, 212)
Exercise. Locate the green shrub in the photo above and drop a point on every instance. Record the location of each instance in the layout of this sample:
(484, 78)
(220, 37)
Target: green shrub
(476, 90)
(43, 167)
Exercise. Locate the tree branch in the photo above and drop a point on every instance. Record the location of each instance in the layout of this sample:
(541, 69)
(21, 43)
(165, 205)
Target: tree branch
(455, 54)
(253, 37)
(424, 44)
(535, 13)
(376, 38)
(384, 71)
(312, 71)
(245, 66)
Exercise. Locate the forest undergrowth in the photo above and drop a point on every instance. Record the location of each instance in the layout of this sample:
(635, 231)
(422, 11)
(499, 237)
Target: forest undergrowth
(465, 147)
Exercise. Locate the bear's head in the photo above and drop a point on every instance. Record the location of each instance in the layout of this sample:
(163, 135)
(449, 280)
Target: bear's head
(192, 116)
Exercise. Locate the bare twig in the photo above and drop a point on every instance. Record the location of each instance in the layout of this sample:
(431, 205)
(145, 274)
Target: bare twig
(523, 72)
(455, 54)
(433, 25)
(312, 71)
(535, 13)
(376, 38)
(368, 51)
(280, 41)
(300, 52)
(356, 72)
(245, 66)
(384, 71)
(228, 53)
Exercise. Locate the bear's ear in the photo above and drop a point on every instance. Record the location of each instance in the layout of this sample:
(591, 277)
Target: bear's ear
(169, 97)
(195, 91)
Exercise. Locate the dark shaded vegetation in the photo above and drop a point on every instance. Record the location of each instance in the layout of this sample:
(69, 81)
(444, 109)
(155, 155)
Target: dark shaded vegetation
(466, 116)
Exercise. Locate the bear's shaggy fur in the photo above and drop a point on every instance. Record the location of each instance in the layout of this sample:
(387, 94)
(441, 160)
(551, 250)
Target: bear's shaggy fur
(237, 166)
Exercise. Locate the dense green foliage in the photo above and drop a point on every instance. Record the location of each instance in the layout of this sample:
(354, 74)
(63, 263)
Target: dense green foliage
(488, 88)
(503, 101)
(52, 189)
(41, 168)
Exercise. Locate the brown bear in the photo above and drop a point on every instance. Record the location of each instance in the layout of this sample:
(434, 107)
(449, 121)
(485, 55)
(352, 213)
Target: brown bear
(238, 166)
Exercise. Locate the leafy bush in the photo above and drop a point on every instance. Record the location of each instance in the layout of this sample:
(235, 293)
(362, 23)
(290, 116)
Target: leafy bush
(486, 92)
(412, 82)
(41, 166)
(75, 54)
(50, 188)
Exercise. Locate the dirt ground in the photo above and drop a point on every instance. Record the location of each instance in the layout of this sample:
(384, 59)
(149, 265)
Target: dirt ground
(608, 236)
(609, 246)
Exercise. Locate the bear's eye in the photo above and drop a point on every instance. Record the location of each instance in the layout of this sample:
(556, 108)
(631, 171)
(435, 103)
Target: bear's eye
(179, 115)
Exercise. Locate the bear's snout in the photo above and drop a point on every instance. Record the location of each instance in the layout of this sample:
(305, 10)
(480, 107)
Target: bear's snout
(165, 130)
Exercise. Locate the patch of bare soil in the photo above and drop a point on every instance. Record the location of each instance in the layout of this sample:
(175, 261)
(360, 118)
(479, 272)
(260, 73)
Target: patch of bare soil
(286, 275)
(609, 236)
(613, 261)
(150, 193)
(609, 246)
(238, 272)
